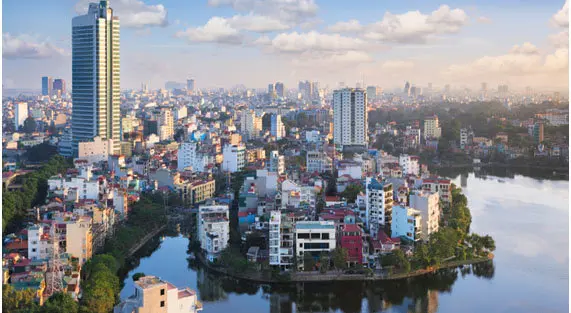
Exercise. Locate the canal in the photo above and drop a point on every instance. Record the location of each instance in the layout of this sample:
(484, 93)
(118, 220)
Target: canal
(527, 217)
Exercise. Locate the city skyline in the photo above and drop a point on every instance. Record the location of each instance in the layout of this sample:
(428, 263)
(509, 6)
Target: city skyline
(216, 41)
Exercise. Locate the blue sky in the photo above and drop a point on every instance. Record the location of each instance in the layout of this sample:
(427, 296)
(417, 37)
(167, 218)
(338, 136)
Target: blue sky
(222, 43)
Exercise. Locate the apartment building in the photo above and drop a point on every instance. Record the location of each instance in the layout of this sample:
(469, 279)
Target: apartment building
(213, 229)
(379, 202)
(407, 222)
(281, 242)
(234, 157)
(428, 204)
(442, 186)
(317, 161)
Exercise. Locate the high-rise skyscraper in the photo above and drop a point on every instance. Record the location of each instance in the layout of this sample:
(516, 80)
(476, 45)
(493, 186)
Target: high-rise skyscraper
(350, 117)
(280, 92)
(59, 87)
(47, 85)
(407, 88)
(95, 76)
(190, 84)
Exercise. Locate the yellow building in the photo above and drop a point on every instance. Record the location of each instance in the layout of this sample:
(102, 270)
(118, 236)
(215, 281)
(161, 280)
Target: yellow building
(195, 191)
(79, 238)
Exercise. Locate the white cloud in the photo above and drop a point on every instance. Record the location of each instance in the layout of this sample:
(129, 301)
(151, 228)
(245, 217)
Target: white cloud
(526, 48)
(561, 18)
(28, 47)
(263, 41)
(291, 12)
(314, 41)
(217, 29)
(560, 40)
(132, 13)
(484, 20)
(346, 27)
(331, 62)
(416, 27)
(256, 23)
(398, 65)
(522, 60)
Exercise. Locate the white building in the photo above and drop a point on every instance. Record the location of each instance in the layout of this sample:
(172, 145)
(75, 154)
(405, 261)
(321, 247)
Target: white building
(20, 114)
(85, 188)
(40, 243)
(406, 222)
(432, 127)
(314, 237)
(296, 195)
(213, 229)
(166, 124)
(277, 163)
(234, 157)
(428, 204)
(95, 151)
(378, 206)
(190, 157)
(312, 136)
(350, 125)
(353, 169)
(317, 161)
(181, 112)
(95, 76)
(281, 241)
(409, 164)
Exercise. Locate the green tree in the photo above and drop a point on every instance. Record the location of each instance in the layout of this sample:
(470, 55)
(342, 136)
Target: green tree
(340, 257)
(60, 303)
(18, 301)
(100, 290)
(351, 192)
(137, 276)
(30, 125)
(308, 262)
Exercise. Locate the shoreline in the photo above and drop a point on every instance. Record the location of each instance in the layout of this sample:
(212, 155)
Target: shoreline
(318, 277)
(505, 165)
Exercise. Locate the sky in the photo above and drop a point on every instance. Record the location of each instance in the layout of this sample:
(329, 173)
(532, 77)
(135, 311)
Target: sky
(224, 43)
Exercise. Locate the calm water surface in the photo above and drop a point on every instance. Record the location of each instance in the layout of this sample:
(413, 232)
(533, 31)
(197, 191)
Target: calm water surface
(527, 217)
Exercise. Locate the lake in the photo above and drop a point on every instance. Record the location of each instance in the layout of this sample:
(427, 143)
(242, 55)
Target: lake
(527, 217)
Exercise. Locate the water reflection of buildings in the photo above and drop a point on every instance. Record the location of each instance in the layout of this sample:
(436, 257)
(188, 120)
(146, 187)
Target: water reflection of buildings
(280, 303)
(464, 180)
(210, 288)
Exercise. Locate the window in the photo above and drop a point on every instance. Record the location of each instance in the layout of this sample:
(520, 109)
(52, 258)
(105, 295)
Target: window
(162, 292)
(325, 236)
(302, 236)
(162, 304)
(315, 236)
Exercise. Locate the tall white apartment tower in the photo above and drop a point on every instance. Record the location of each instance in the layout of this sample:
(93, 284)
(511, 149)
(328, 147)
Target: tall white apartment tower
(350, 117)
(20, 114)
(95, 76)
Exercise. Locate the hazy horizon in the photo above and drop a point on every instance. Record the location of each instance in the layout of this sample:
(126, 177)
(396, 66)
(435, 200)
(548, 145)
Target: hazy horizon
(224, 43)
